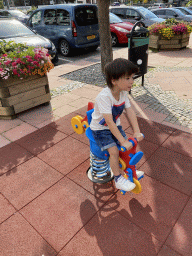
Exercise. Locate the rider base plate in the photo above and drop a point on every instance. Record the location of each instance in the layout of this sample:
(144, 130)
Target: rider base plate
(109, 176)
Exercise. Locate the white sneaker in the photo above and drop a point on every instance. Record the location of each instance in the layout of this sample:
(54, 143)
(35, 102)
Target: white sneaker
(139, 174)
(124, 184)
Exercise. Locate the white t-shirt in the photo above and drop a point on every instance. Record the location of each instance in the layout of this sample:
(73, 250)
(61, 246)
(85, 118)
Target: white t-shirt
(105, 103)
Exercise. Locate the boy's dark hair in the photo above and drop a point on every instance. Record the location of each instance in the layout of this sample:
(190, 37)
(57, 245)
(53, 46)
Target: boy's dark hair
(118, 68)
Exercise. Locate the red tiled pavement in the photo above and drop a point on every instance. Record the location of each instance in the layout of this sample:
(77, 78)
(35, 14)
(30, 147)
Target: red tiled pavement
(48, 205)
(18, 237)
(170, 168)
(66, 155)
(11, 156)
(41, 139)
(48, 200)
(181, 235)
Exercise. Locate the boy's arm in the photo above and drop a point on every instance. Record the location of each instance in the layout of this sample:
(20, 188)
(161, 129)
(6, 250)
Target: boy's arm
(134, 123)
(115, 131)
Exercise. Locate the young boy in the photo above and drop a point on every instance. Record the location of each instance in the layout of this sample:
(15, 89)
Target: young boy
(109, 105)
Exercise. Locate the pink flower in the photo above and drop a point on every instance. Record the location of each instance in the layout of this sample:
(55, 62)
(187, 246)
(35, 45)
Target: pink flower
(15, 71)
(4, 55)
(18, 60)
(36, 63)
(14, 64)
(7, 62)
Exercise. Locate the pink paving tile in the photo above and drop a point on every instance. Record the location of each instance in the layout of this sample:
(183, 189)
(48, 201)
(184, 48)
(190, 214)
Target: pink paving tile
(176, 126)
(41, 139)
(4, 141)
(101, 191)
(155, 209)
(18, 238)
(66, 155)
(167, 251)
(38, 113)
(181, 235)
(6, 125)
(56, 214)
(28, 181)
(6, 209)
(153, 132)
(152, 115)
(11, 156)
(38, 116)
(64, 124)
(82, 111)
(19, 132)
(109, 233)
(170, 168)
(81, 137)
(180, 142)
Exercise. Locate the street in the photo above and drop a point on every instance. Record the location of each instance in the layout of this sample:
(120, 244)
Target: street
(82, 55)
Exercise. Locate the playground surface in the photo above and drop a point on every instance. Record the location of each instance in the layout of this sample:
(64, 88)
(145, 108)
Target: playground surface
(50, 207)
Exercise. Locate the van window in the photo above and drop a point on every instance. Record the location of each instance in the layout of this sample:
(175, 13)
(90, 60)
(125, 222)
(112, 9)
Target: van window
(86, 16)
(36, 18)
(50, 17)
(63, 18)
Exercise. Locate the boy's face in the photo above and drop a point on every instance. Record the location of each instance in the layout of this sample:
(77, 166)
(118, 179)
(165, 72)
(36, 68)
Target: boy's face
(124, 83)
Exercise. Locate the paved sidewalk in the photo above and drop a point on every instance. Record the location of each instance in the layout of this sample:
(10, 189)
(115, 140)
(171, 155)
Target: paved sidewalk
(50, 207)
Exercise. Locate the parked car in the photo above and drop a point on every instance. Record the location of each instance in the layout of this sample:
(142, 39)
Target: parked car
(119, 30)
(116, 4)
(135, 13)
(12, 29)
(157, 5)
(189, 7)
(68, 26)
(184, 10)
(168, 13)
(14, 13)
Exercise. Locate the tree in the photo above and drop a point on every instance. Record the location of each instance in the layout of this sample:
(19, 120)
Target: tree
(104, 32)
(1, 4)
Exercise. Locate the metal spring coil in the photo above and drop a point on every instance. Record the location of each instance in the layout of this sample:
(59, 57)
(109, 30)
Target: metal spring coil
(99, 167)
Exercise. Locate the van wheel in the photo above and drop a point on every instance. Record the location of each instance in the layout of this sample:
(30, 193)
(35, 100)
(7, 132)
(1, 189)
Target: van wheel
(93, 48)
(64, 48)
(114, 40)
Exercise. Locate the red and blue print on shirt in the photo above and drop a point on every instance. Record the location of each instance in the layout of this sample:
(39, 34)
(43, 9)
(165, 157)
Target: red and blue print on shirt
(117, 110)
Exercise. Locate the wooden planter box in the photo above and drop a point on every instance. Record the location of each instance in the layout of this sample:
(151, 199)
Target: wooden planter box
(18, 95)
(176, 42)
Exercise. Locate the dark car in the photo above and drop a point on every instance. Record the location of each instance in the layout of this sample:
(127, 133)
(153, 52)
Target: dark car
(135, 13)
(169, 13)
(13, 30)
(68, 26)
(119, 30)
(14, 13)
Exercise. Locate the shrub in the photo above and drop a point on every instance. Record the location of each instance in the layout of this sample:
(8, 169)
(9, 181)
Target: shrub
(169, 28)
(21, 61)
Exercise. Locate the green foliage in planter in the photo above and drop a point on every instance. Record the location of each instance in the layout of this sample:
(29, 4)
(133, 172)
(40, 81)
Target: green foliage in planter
(189, 3)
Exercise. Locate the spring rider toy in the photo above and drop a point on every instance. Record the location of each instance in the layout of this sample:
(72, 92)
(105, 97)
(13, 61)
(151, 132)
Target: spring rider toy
(99, 170)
